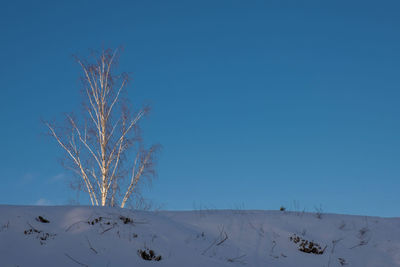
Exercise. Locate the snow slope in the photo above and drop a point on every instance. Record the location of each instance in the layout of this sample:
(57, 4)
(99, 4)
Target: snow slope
(93, 236)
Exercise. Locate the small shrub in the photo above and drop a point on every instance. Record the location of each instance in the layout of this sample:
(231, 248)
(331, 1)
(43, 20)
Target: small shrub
(42, 236)
(307, 246)
(319, 212)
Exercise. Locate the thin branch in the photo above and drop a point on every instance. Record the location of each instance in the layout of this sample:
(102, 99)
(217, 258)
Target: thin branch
(135, 177)
(116, 98)
(110, 64)
(80, 263)
(83, 141)
(90, 246)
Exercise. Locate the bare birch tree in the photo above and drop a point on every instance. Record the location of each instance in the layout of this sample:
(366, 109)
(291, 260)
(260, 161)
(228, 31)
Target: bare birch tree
(104, 148)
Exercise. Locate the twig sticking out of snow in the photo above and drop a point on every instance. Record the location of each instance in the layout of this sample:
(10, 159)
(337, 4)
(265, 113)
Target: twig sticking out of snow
(334, 243)
(260, 231)
(90, 245)
(108, 229)
(363, 237)
(362, 243)
(223, 236)
(4, 226)
(75, 223)
(80, 263)
(319, 212)
(238, 259)
(223, 240)
(272, 250)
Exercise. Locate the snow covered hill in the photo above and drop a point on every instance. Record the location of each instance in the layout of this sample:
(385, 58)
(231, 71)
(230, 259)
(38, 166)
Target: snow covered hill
(92, 236)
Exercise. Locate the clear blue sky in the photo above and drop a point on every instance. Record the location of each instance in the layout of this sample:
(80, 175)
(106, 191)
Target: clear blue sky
(257, 104)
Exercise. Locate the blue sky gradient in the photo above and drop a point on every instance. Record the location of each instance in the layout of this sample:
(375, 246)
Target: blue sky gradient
(257, 104)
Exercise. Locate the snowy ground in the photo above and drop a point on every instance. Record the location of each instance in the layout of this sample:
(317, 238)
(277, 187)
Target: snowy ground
(91, 236)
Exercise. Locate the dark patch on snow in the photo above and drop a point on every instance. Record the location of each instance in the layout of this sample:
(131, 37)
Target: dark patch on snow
(95, 220)
(126, 220)
(42, 220)
(42, 236)
(307, 246)
(149, 255)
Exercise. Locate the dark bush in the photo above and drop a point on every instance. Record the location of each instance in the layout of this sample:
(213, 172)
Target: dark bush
(307, 246)
(149, 255)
